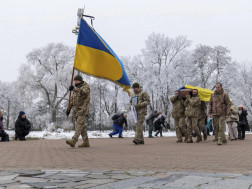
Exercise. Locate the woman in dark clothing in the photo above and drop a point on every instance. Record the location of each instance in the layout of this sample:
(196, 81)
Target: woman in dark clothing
(22, 126)
(158, 125)
(243, 122)
(118, 121)
(3, 135)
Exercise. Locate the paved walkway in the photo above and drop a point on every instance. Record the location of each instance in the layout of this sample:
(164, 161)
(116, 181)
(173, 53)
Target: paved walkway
(160, 163)
(122, 180)
(158, 154)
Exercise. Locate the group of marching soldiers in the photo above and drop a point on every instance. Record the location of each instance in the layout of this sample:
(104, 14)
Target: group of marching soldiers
(189, 114)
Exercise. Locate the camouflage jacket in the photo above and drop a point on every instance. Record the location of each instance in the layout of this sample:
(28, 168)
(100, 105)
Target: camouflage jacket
(234, 113)
(178, 107)
(140, 100)
(203, 110)
(193, 106)
(219, 104)
(81, 100)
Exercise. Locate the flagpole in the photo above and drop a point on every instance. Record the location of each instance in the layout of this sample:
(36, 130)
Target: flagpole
(70, 92)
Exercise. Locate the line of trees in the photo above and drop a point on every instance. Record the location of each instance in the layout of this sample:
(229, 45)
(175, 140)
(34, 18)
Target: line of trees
(164, 65)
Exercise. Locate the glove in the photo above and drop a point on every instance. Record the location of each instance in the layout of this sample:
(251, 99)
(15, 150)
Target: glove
(67, 112)
(71, 88)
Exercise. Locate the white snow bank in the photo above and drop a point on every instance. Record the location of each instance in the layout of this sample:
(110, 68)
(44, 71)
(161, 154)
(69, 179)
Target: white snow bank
(91, 134)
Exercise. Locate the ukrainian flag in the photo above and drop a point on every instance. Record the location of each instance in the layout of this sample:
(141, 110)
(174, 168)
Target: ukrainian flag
(94, 57)
(204, 94)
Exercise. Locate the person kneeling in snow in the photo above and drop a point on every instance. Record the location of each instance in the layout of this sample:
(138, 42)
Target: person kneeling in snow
(22, 126)
(3, 135)
(118, 121)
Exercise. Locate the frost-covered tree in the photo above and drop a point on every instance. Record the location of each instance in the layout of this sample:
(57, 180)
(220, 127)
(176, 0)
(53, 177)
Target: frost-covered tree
(45, 78)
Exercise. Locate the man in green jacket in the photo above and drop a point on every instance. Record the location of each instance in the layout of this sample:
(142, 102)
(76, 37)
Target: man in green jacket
(139, 101)
(178, 113)
(192, 113)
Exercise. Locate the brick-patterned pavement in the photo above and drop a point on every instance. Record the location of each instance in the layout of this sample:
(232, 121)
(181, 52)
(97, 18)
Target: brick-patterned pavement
(158, 154)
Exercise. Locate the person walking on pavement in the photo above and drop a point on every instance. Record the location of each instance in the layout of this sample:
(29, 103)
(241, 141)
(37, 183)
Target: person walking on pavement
(139, 101)
(80, 104)
(118, 121)
(178, 113)
(192, 113)
(232, 121)
(150, 120)
(219, 109)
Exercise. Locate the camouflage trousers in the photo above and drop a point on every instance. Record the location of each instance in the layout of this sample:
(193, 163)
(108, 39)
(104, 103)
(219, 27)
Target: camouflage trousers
(80, 129)
(139, 128)
(202, 126)
(219, 123)
(192, 124)
(180, 126)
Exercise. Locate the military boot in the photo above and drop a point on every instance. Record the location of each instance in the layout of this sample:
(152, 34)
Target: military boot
(205, 136)
(219, 141)
(136, 142)
(84, 144)
(179, 140)
(71, 142)
(190, 139)
(215, 139)
(186, 139)
(199, 138)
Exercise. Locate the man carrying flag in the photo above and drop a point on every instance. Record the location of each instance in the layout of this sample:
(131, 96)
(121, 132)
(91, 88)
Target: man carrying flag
(80, 103)
(93, 56)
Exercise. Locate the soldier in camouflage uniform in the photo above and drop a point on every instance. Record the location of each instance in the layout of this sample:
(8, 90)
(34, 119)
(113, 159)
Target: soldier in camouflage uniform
(192, 113)
(219, 109)
(178, 113)
(140, 100)
(80, 103)
(202, 119)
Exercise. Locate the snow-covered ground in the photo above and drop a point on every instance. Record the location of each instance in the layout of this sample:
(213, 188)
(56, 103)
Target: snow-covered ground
(91, 134)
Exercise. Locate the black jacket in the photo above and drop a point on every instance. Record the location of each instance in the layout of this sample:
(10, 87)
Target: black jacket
(151, 117)
(159, 122)
(243, 121)
(22, 125)
(119, 120)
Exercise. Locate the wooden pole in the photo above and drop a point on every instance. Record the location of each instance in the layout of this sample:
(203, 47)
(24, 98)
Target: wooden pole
(70, 92)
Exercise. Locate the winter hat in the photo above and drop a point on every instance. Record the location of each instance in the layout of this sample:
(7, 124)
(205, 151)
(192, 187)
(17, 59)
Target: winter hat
(240, 106)
(21, 113)
(78, 77)
(135, 85)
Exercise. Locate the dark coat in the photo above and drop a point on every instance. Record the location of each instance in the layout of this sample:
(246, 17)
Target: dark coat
(22, 126)
(151, 117)
(119, 120)
(159, 122)
(1, 125)
(243, 122)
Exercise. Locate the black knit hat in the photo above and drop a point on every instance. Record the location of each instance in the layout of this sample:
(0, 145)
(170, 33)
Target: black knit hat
(135, 85)
(78, 77)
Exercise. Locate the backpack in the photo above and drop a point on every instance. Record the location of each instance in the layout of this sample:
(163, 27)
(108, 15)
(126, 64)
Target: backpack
(114, 117)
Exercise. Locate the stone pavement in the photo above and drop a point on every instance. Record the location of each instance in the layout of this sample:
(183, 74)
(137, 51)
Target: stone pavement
(160, 163)
(120, 180)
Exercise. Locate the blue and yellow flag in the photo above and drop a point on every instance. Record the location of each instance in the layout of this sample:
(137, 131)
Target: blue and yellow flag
(94, 57)
(204, 94)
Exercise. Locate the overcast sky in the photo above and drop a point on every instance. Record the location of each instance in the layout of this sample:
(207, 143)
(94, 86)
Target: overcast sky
(125, 25)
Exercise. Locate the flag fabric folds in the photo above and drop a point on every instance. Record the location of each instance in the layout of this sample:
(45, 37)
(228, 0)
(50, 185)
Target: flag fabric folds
(204, 94)
(94, 57)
